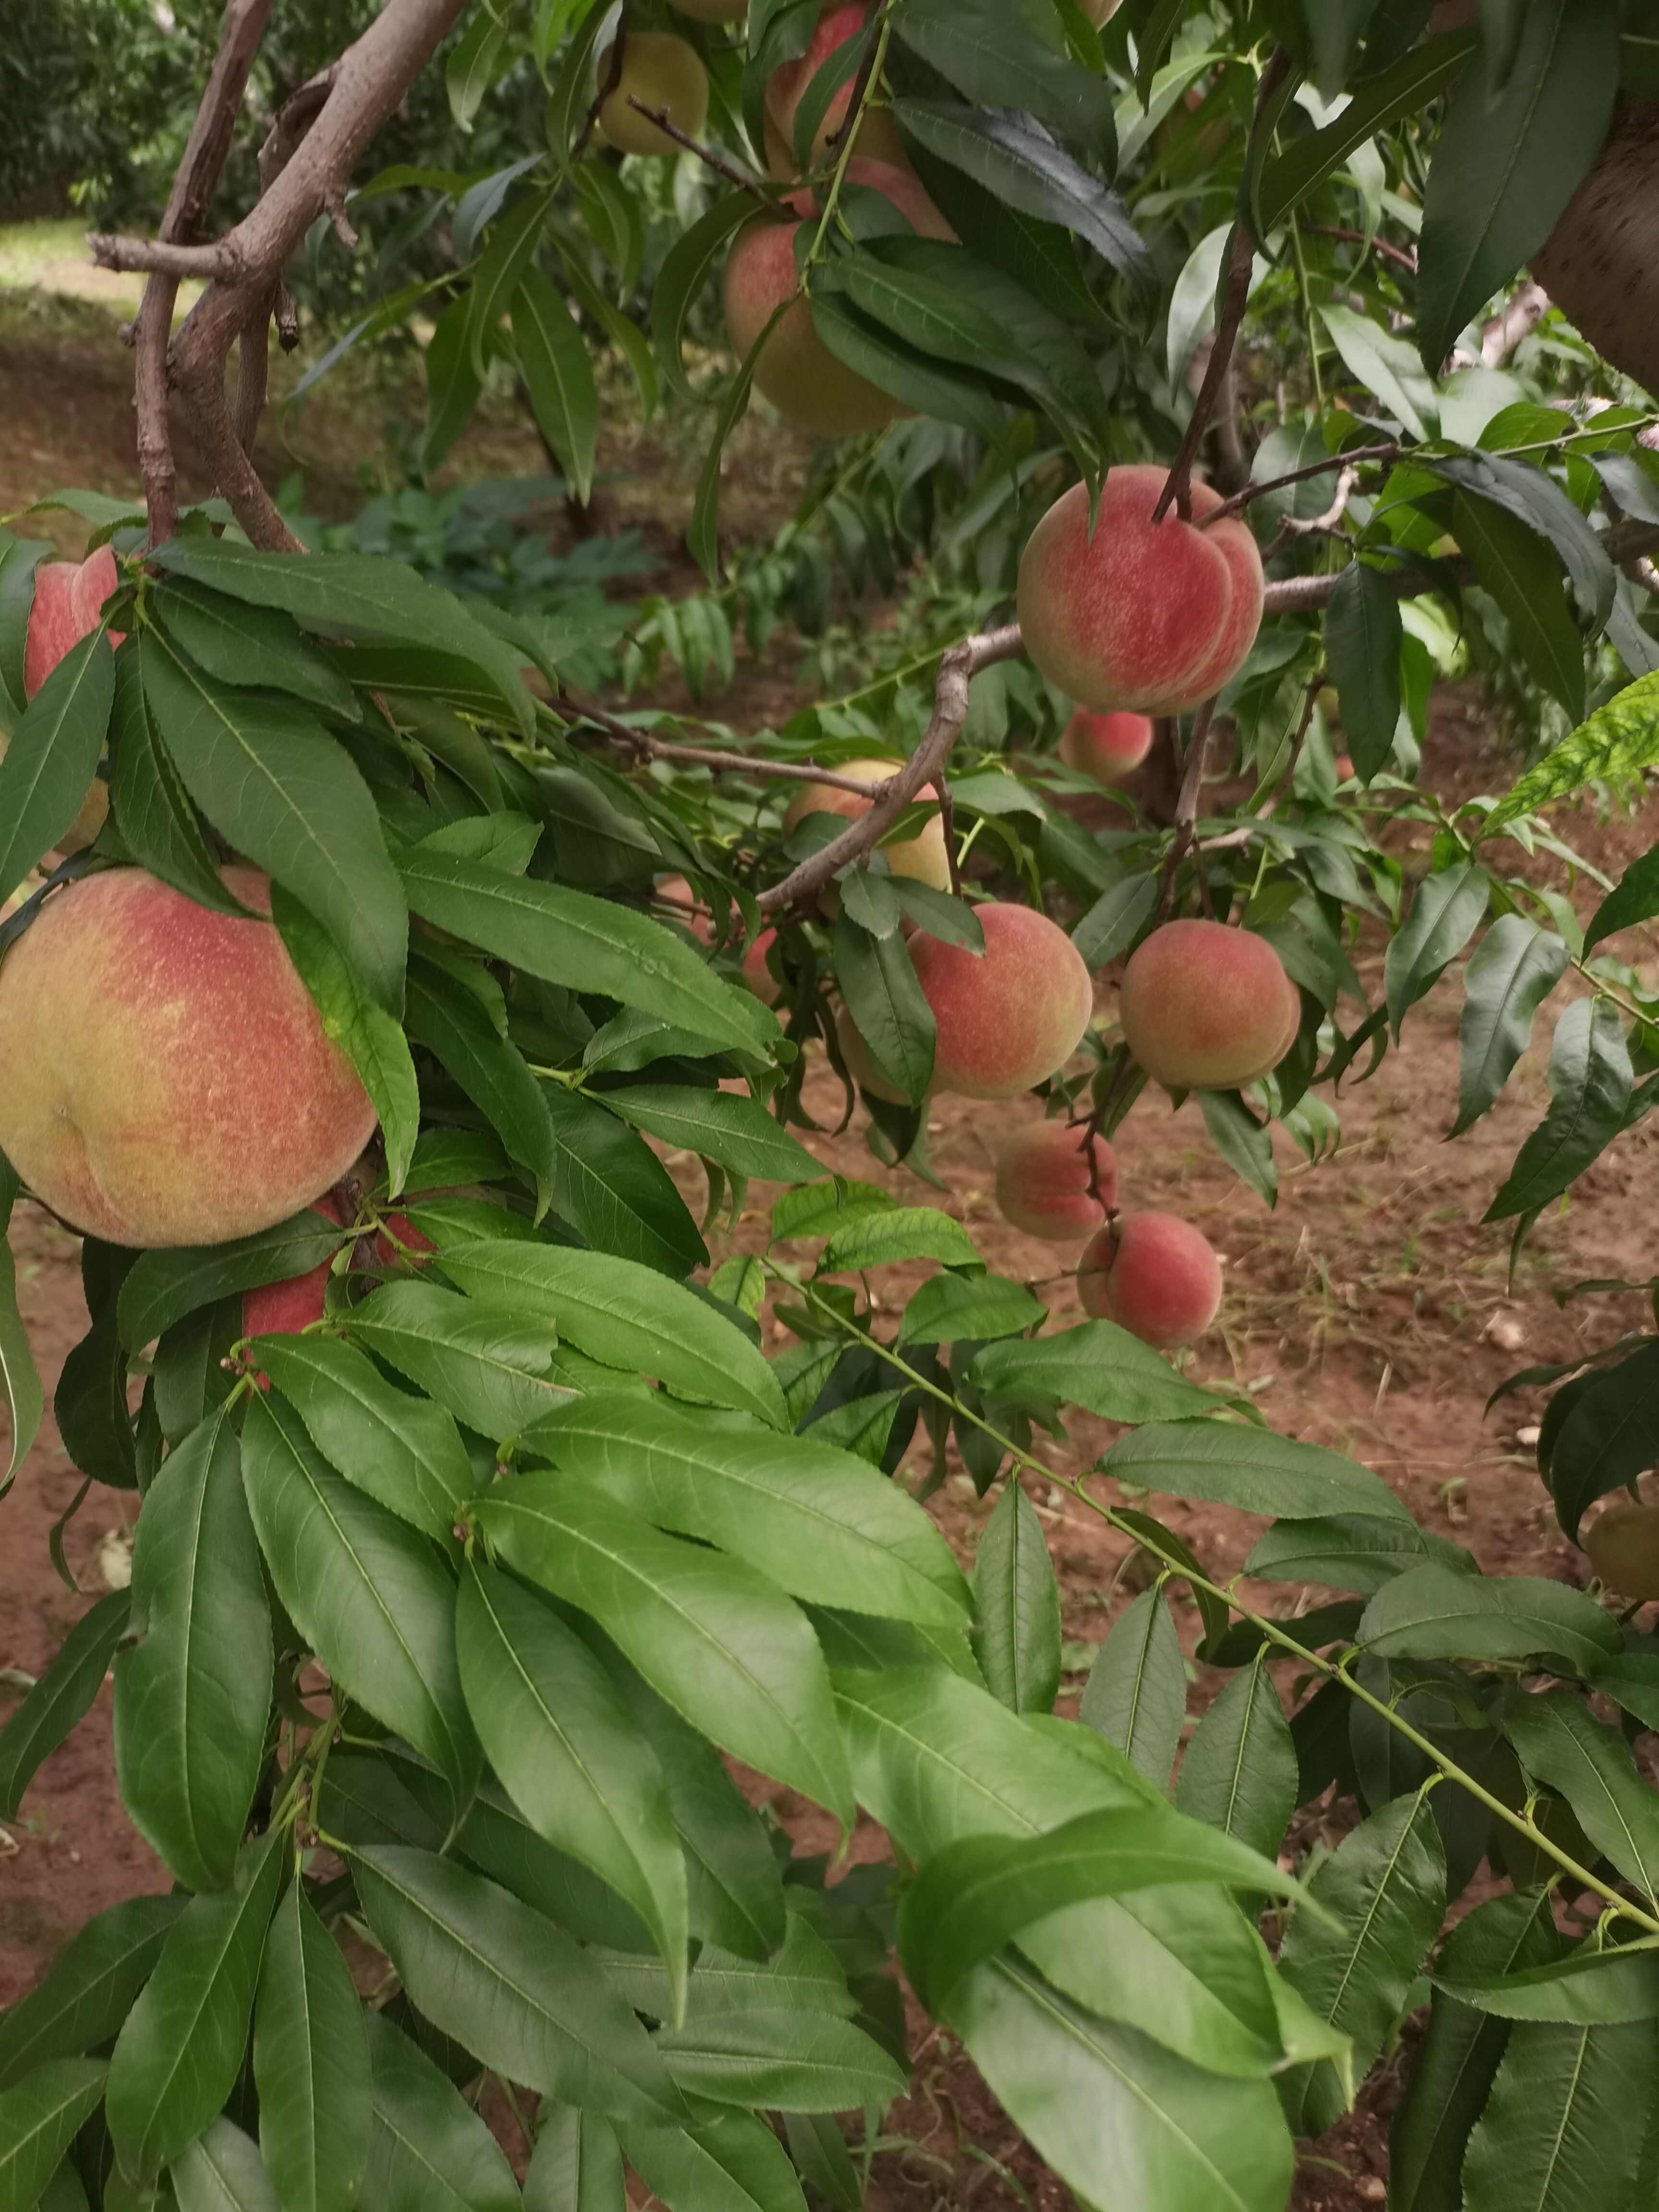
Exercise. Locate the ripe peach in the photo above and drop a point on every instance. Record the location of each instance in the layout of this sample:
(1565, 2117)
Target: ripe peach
(68, 598)
(400, 1247)
(1012, 1016)
(1206, 1008)
(168, 1080)
(796, 371)
(756, 973)
(285, 1309)
(686, 908)
(1343, 767)
(878, 137)
(859, 1066)
(1623, 1544)
(923, 857)
(1105, 747)
(1043, 1181)
(660, 72)
(1153, 1274)
(1154, 617)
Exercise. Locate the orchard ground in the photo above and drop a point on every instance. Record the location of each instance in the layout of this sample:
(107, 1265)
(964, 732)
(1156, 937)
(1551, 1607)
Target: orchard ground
(1371, 1312)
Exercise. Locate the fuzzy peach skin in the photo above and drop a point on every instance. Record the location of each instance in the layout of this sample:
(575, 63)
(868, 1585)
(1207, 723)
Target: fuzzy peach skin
(878, 137)
(1043, 1181)
(1205, 1008)
(660, 71)
(167, 1077)
(287, 1308)
(859, 1066)
(1153, 617)
(1153, 1274)
(1105, 747)
(796, 371)
(1012, 1016)
(1623, 1544)
(923, 857)
(757, 974)
(686, 908)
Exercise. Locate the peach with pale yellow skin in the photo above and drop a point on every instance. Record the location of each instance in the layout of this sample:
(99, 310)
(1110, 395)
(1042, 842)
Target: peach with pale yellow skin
(1105, 747)
(168, 1078)
(1153, 1274)
(1150, 616)
(1206, 1008)
(662, 73)
(1623, 1544)
(1044, 1182)
(859, 1066)
(923, 857)
(796, 371)
(878, 137)
(1010, 1016)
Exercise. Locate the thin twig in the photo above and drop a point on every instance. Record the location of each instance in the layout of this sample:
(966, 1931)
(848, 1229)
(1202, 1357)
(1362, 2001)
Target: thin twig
(1401, 256)
(1355, 457)
(602, 92)
(1192, 784)
(947, 823)
(147, 255)
(723, 763)
(1327, 524)
(718, 162)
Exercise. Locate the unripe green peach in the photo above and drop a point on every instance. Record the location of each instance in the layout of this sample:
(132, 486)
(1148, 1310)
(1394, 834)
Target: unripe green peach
(1105, 747)
(1044, 1182)
(1012, 1016)
(1206, 1008)
(1623, 1544)
(923, 857)
(1153, 1274)
(167, 1077)
(1152, 616)
(660, 72)
(859, 1066)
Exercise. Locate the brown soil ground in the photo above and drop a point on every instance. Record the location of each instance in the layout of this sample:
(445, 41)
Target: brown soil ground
(1371, 1312)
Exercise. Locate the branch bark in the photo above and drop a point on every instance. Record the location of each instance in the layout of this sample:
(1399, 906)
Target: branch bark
(723, 763)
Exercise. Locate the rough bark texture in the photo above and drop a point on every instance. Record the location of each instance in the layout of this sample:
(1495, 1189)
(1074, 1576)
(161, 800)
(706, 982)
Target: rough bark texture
(1601, 266)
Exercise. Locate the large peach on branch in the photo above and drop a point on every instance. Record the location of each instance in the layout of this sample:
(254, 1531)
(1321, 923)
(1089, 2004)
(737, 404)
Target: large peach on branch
(1623, 1544)
(1150, 615)
(1153, 1274)
(286, 1307)
(661, 73)
(1105, 747)
(1056, 1181)
(1206, 1008)
(1010, 1016)
(168, 1079)
(859, 1066)
(923, 857)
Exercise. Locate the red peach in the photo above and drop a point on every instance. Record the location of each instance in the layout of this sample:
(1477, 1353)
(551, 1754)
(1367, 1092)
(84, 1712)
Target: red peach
(1153, 1274)
(285, 1309)
(1150, 616)
(400, 1247)
(859, 1066)
(168, 1078)
(1206, 1008)
(1012, 1016)
(1343, 767)
(68, 598)
(687, 909)
(1043, 1181)
(1105, 747)
(878, 137)
(757, 974)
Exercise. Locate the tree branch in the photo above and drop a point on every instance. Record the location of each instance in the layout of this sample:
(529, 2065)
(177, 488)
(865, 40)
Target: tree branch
(957, 670)
(1401, 256)
(733, 175)
(1351, 457)
(723, 763)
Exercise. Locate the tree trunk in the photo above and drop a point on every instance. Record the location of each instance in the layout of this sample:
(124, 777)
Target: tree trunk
(1601, 266)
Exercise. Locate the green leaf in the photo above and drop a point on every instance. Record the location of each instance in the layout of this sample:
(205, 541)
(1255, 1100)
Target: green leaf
(1619, 741)
(1410, 84)
(918, 381)
(584, 943)
(161, 1287)
(1385, 365)
(192, 1693)
(787, 2062)
(1600, 1434)
(1507, 162)
(359, 596)
(883, 996)
(994, 60)
(452, 385)
(1348, 1552)
(1362, 645)
(61, 1696)
(446, 1016)
(1534, 498)
(1433, 1612)
(1384, 1888)
(20, 1378)
(979, 1894)
(556, 1731)
(719, 1125)
(1589, 1988)
(1559, 1745)
(401, 1450)
(1136, 1693)
(49, 762)
(89, 1987)
(38, 2117)
(1445, 912)
(730, 2162)
(1590, 1082)
(684, 273)
(1115, 920)
(1459, 2055)
(1226, 1464)
(1633, 899)
(949, 1309)
(818, 1523)
(373, 1600)
(559, 378)
(1239, 1771)
(486, 1363)
(1244, 1143)
(472, 66)
(1564, 2126)
(804, 1977)
(501, 270)
(1099, 1367)
(820, 1209)
(18, 559)
(223, 2171)
(278, 788)
(509, 1985)
(1518, 568)
(1120, 2119)
(148, 798)
(310, 2065)
(614, 1191)
(1510, 974)
(626, 1315)
(430, 2151)
(181, 2051)
(702, 537)
(725, 1648)
(245, 646)
(1017, 1597)
(908, 1232)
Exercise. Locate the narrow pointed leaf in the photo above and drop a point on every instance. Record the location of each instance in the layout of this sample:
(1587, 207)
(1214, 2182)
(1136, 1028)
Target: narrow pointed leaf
(311, 2065)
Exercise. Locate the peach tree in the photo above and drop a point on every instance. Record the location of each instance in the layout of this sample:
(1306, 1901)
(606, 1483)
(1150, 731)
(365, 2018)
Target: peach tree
(354, 959)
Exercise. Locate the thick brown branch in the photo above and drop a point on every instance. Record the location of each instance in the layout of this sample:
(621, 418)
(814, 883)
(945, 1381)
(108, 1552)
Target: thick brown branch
(956, 673)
